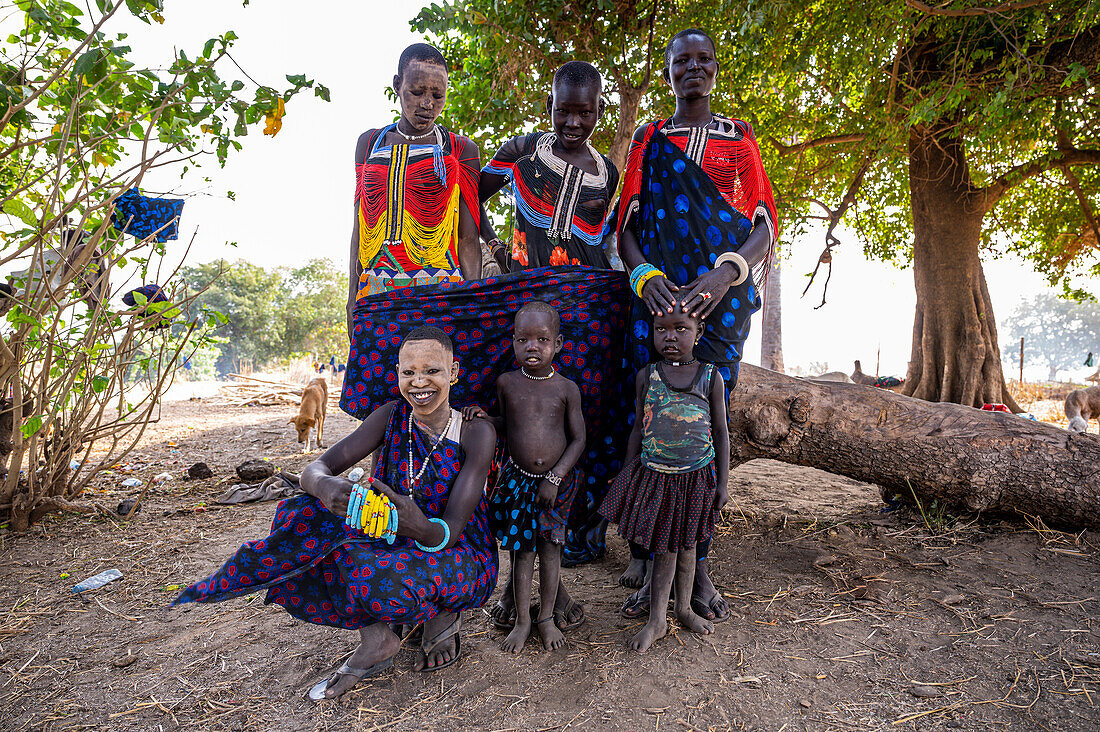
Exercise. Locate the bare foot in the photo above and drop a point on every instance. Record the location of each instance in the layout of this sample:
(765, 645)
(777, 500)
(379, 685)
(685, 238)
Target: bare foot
(378, 647)
(695, 623)
(552, 638)
(656, 628)
(515, 640)
(634, 576)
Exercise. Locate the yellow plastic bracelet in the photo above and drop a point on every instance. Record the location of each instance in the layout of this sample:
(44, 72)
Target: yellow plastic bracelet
(375, 512)
(646, 278)
(368, 510)
(380, 522)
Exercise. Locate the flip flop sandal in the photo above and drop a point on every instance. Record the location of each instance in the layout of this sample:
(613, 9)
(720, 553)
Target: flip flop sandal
(317, 692)
(414, 634)
(709, 610)
(560, 616)
(508, 622)
(635, 607)
(427, 648)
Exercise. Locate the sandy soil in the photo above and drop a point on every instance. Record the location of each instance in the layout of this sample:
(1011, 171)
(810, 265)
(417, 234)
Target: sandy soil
(842, 612)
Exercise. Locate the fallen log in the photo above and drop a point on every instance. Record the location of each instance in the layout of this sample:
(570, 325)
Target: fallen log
(961, 456)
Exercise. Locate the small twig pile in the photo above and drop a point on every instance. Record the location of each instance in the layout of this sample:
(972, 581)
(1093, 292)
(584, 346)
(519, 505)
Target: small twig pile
(248, 391)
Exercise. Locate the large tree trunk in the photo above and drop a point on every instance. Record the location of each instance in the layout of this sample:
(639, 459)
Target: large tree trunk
(983, 461)
(771, 333)
(630, 100)
(955, 355)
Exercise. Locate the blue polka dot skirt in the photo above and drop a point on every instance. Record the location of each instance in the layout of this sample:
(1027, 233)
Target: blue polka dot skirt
(517, 520)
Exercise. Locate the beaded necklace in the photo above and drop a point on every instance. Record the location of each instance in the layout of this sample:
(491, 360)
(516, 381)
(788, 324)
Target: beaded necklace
(410, 478)
(409, 137)
(538, 378)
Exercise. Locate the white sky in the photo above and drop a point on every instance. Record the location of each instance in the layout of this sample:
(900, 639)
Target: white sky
(294, 191)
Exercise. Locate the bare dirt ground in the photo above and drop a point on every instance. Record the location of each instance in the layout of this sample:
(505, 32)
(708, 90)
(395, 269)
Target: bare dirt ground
(845, 618)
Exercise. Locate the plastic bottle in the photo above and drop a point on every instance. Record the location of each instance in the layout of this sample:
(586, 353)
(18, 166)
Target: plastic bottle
(94, 583)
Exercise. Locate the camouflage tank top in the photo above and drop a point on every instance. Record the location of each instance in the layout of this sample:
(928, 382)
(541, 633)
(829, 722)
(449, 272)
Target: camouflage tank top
(676, 436)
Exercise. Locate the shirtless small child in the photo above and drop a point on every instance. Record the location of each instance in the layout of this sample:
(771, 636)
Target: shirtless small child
(543, 427)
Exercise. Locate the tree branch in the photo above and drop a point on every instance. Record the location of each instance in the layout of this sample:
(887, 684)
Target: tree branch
(785, 150)
(995, 191)
(973, 12)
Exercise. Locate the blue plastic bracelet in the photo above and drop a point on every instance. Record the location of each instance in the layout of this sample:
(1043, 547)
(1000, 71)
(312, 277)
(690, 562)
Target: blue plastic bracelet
(351, 505)
(356, 507)
(443, 543)
(637, 273)
(392, 529)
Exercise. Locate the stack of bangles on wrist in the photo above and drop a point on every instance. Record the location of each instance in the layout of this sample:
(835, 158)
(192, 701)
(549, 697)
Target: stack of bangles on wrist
(642, 274)
(372, 513)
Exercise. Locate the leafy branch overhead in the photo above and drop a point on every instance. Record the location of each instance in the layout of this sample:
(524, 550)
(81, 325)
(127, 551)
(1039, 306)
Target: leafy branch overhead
(80, 124)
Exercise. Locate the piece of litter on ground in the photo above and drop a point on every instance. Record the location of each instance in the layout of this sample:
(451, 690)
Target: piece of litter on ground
(131, 483)
(97, 581)
(925, 692)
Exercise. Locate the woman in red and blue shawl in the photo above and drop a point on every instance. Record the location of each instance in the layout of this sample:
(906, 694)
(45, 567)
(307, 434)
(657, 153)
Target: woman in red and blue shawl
(563, 190)
(697, 229)
(443, 560)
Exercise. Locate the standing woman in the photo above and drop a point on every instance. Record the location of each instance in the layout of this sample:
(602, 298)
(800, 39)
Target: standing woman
(697, 217)
(416, 207)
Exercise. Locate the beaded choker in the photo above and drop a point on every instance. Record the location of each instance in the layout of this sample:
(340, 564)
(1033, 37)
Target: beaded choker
(409, 137)
(681, 363)
(538, 378)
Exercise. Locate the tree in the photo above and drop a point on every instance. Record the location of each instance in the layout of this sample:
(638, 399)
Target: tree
(913, 125)
(955, 455)
(314, 309)
(504, 56)
(771, 329)
(955, 124)
(270, 314)
(80, 124)
(249, 298)
(1057, 333)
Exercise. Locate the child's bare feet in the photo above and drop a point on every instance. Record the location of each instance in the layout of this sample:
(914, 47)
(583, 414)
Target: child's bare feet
(552, 638)
(695, 623)
(515, 640)
(634, 576)
(656, 628)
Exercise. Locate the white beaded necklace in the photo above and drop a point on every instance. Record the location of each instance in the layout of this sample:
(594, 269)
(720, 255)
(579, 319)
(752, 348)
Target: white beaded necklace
(538, 378)
(411, 138)
(413, 480)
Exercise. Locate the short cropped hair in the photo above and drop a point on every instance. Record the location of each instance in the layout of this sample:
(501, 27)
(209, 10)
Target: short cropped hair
(540, 306)
(429, 333)
(684, 34)
(420, 52)
(578, 73)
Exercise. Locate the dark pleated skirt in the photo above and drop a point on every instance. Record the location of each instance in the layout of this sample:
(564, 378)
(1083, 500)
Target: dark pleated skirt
(663, 512)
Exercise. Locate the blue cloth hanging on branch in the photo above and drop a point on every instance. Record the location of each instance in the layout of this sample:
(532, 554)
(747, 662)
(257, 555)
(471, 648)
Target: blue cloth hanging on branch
(143, 216)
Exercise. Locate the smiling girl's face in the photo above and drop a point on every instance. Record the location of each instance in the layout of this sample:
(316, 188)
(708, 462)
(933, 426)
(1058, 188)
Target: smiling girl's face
(424, 373)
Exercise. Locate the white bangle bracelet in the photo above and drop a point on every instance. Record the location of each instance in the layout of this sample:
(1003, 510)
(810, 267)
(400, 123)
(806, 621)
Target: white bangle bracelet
(738, 261)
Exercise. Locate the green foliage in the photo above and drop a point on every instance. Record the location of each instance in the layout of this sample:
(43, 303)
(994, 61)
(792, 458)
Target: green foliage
(832, 90)
(266, 315)
(80, 123)
(1057, 333)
